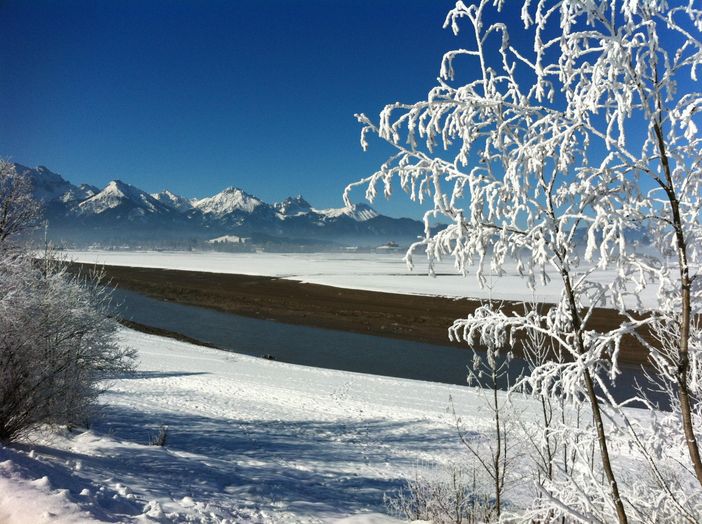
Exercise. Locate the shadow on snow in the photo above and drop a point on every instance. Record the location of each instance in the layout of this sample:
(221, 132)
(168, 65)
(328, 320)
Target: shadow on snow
(309, 466)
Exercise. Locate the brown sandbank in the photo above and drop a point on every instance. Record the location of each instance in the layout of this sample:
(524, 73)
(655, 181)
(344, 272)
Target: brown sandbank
(410, 317)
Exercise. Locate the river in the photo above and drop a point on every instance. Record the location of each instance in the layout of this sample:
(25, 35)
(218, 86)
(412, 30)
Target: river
(316, 347)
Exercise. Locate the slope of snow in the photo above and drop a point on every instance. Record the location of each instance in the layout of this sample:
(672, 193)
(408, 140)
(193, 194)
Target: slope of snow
(358, 212)
(292, 207)
(249, 440)
(117, 193)
(47, 185)
(173, 201)
(79, 193)
(230, 200)
(373, 272)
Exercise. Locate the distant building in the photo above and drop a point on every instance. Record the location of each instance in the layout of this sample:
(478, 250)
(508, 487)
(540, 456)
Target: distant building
(389, 247)
(229, 239)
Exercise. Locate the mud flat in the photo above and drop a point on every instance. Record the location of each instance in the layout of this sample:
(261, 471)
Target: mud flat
(411, 317)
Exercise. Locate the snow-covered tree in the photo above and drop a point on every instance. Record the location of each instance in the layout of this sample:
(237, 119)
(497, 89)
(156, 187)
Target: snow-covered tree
(56, 339)
(56, 344)
(18, 210)
(565, 145)
(489, 372)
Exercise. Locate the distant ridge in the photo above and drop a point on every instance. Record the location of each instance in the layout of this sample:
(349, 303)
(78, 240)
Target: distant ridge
(121, 213)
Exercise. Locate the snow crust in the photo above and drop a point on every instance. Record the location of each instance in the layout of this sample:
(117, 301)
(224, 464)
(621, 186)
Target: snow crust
(373, 272)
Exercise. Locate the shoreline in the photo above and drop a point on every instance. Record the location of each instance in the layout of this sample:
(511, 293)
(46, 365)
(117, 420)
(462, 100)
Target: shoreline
(151, 330)
(418, 318)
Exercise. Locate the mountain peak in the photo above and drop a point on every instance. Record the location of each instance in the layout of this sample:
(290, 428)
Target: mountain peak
(116, 184)
(46, 185)
(119, 188)
(359, 212)
(173, 201)
(118, 193)
(231, 200)
(293, 206)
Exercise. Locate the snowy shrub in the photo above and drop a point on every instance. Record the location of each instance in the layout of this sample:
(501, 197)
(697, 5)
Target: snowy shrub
(493, 456)
(56, 344)
(449, 497)
(160, 438)
(18, 210)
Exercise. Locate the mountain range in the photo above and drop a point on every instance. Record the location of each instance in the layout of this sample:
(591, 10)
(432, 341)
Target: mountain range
(123, 214)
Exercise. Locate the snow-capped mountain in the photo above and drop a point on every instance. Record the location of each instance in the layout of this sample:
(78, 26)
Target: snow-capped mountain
(292, 206)
(174, 201)
(126, 214)
(358, 212)
(231, 200)
(118, 194)
(48, 186)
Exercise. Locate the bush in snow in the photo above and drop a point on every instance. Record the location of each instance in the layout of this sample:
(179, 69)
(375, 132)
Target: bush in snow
(56, 340)
(18, 210)
(160, 438)
(56, 344)
(494, 455)
(449, 497)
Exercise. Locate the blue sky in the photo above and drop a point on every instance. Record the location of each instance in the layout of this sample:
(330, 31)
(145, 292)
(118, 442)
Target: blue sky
(196, 96)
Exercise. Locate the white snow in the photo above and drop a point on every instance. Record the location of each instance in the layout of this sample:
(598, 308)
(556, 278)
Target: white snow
(25, 499)
(374, 272)
(230, 239)
(249, 440)
(173, 201)
(358, 212)
(114, 194)
(228, 201)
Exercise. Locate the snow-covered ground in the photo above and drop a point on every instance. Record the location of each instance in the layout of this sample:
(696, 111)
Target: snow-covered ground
(249, 440)
(252, 440)
(374, 272)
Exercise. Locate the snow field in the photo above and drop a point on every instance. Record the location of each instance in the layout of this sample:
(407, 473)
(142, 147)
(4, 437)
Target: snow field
(252, 440)
(249, 440)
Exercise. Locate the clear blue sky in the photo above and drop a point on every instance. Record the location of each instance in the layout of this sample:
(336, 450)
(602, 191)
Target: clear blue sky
(196, 96)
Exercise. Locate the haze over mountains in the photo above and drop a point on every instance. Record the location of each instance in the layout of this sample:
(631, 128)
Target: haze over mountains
(122, 214)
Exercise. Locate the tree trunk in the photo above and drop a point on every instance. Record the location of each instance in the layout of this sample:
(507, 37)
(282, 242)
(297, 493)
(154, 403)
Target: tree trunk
(685, 314)
(596, 413)
(498, 488)
(604, 451)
